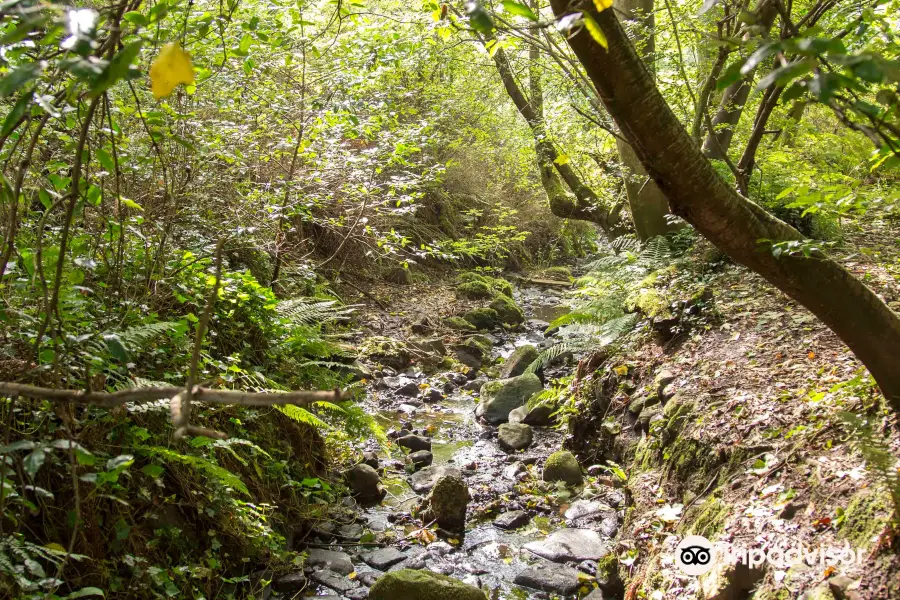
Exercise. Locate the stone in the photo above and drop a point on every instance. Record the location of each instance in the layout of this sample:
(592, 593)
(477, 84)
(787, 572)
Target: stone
(383, 558)
(431, 346)
(662, 381)
(475, 384)
(386, 351)
(541, 415)
(499, 398)
(468, 356)
(557, 579)
(518, 361)
(414, 442)
(596, 595)
(482, 318)
(422, 481)
(638, 404)
(333, 560)
(447, 503)
(365, 482)
(334, 581)
(433, 395)
(563, 466)
(351, 531)
(289, 584)
(565, 545)
(408, 584)
(513, 470)
(507, 310)
(458, 324)
(583, 508)
(408, 388)
(512, 519)
(514, 436)
(370, 459)
(474, 290)
(359, 593)
(420, 458)
(650, 414)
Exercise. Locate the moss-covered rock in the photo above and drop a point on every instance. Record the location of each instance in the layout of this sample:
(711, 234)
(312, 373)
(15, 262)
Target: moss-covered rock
(557, 273)
(474, 290)
(866, 515)
(459, 324)
(499, 398)
(563, 466)
(495, 285)
(508, 310)
(483, 318)
(409, 584)
(482, 342)
(518, 361)
(447, 503)
(387, 351)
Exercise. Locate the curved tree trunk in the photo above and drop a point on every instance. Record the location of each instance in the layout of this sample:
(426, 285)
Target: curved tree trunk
(585, 205)
(730, 221)
(649, 206)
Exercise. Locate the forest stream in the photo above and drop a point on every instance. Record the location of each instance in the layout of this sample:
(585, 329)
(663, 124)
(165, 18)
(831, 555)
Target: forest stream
(513, 545)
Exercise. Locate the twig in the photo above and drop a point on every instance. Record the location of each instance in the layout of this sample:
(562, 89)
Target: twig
(152, 394)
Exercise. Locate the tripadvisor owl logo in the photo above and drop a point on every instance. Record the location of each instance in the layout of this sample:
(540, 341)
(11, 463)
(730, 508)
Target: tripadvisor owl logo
(695, 555)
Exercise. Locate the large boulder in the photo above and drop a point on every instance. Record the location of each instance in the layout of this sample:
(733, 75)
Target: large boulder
(365, 483)
(518, 361)
(333, 560)
(447, 503)
(507, 310)
(500, 397)
(409, 584)
(563, 466)
(514, 436)
(558, 579)
(386, 351)
(483, 318)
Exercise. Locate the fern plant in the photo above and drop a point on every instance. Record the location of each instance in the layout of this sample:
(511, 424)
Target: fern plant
(309, 311)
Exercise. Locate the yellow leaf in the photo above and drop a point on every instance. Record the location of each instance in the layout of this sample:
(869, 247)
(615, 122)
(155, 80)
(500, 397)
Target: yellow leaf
(562, 159)
(171, 67)
(594, 29)
(621, 370)
(602, 4)
(56, 547)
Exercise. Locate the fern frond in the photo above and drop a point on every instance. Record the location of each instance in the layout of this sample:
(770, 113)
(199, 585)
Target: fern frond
(139, 337)
(550, 354)
(626, 243)
(656, 252)
(301, 415)
(309, 311)
(206, 467)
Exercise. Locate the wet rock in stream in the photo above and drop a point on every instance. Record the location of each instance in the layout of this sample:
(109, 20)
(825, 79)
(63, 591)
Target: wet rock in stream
(512, 519)
(447, 503)
(414, 442)
(420, 459)
(334, 581)
(422, 481)
(518, 361)
(499, 398)
(514, 436)
(549, 578)
(565, 545)
(417, 585)
(383, 558)
(333, 560)
(365, 482)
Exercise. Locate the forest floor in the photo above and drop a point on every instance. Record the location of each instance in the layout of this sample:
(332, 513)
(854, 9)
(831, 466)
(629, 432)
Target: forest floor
(745, 446)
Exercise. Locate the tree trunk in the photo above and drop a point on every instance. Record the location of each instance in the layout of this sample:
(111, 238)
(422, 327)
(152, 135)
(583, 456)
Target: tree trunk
(718, 141)
(730, 221)
(649, 206)
(585, 205)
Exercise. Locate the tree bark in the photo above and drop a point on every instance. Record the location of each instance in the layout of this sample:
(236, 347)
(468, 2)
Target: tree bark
(649, 206)
(726, 119)
(585, 205)
(718, 141)
(734, 224)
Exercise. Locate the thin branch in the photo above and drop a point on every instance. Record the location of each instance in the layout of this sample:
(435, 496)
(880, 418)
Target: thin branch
(152, 394)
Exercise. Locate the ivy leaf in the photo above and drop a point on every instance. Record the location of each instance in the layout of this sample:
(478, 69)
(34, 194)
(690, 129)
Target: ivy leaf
(85, 592)
(32, 463)
(596, 32)
(518, 9)
(171, 67)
